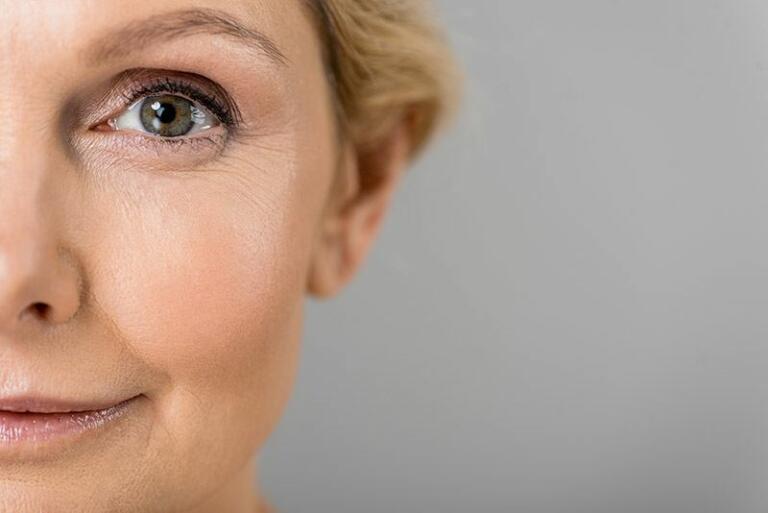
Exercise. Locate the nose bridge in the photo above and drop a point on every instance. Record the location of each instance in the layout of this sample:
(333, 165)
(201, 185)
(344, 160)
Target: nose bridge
(25, 237)
(34, 277)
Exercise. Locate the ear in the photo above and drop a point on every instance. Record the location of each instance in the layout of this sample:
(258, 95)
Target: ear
(355, 209)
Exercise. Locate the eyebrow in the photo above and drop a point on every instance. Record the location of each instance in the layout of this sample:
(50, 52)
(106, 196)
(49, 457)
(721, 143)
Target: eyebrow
(165, 27)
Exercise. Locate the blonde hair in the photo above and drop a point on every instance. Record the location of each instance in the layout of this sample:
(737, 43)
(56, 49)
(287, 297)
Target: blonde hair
(387, 61)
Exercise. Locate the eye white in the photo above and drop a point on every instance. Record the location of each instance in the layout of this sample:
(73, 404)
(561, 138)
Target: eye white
(130, 119)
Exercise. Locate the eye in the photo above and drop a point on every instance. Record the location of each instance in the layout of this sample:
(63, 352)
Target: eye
(165, 115)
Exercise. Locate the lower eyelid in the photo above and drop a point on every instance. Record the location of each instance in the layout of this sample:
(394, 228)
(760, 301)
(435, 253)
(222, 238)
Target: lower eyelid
(139, 147)
(106, 157)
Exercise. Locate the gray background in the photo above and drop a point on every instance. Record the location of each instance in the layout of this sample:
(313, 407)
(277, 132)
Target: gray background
(566, 310)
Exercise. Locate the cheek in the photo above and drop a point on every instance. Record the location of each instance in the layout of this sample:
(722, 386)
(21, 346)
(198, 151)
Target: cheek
(207, 286)
(204, 276)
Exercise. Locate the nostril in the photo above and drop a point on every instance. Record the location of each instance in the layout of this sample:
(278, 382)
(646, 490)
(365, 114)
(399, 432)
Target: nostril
(41, 309)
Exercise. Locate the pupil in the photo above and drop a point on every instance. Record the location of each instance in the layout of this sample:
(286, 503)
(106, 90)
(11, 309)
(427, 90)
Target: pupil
(166, 113)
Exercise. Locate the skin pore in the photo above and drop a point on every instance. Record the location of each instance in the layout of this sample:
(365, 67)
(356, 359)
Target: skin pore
(171, 270)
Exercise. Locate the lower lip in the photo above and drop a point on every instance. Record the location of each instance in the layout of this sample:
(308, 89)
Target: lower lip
(17, 428)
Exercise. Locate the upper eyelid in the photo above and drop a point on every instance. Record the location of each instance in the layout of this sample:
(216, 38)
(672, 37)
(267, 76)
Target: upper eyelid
(222, 109)
(127, 86)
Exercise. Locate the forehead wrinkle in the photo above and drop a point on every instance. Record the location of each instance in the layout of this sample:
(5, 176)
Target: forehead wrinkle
(165, 27)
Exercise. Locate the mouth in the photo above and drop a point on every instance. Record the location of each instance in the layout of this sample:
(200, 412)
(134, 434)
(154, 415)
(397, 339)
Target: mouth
(34, 419)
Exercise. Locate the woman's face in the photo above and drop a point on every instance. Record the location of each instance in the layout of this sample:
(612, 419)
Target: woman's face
(164, 170)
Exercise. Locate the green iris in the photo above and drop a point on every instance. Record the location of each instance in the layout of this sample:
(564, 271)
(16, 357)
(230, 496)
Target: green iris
(168, 116)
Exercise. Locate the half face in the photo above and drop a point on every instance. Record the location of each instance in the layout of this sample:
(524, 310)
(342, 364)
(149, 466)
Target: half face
(163, 171)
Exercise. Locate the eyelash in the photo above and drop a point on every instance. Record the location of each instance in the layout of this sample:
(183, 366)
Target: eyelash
(226, 112)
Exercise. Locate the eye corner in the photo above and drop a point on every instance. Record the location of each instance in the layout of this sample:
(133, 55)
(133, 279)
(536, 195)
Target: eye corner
(106, 125)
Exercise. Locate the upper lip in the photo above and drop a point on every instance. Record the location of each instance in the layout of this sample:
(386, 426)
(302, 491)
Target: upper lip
(50, 405)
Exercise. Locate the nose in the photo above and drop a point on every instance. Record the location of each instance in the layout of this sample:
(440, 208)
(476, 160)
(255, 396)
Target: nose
(38, 279)
(33, 283)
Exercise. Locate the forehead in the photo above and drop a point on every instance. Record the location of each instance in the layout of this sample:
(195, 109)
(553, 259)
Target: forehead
(50, 29)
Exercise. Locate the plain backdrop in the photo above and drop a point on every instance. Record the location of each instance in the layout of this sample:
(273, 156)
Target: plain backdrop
(567, 309)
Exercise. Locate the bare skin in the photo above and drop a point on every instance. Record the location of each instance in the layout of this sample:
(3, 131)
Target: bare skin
(170, 269)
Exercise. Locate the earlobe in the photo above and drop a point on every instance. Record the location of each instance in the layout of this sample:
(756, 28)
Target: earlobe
(356, 212)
